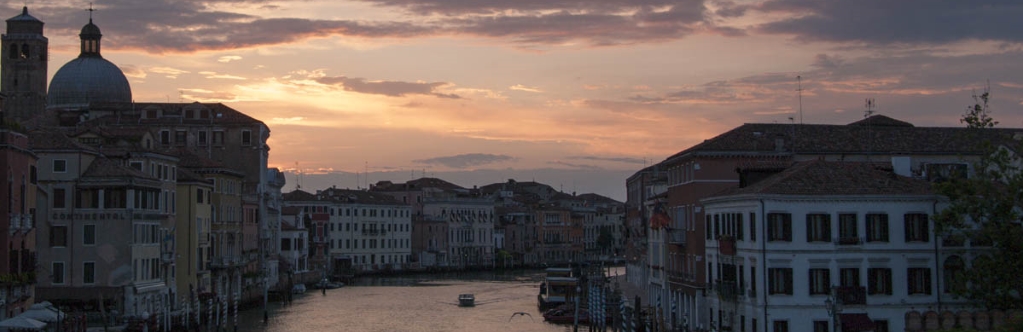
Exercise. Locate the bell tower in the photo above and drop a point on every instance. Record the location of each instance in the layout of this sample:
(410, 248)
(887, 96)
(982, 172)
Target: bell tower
(23, 55)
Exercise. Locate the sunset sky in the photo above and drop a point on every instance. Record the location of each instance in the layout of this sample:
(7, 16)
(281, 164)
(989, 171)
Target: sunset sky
(578, 94)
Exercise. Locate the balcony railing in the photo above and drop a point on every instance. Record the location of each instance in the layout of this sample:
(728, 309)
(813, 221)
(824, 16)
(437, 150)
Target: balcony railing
(374, 232)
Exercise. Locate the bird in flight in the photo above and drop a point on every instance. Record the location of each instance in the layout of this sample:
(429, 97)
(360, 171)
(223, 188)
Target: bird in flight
(520, 314)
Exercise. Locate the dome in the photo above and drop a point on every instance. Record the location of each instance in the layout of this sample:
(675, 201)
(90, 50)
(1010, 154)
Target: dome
(90, 29)
(88, 80)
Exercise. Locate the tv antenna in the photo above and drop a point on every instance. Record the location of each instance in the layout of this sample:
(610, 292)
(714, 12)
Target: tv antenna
(870, 108)
(799, 89)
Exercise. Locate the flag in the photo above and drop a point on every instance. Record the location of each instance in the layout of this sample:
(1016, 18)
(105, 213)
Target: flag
(659, 218)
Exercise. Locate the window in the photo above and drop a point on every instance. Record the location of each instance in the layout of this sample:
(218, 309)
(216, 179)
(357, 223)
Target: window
(877, 227)
(779, 227)
(198, 196)
(818, 228)
(59, 166)
(33, 174)
(879, 281)
(58, 236)
(916, 227)
(218, 138)
(89, 235)
(821, 325)
(820, 281)
(89, 272)
(180, 137)
(59, 198)
(246, 137)
(137, 165)
(57, 273)
(781, 326)
(165, 137)
(847, 229)
(201, 138)
(918, 280)
(849, 277)
(753, 227)
(779, 281)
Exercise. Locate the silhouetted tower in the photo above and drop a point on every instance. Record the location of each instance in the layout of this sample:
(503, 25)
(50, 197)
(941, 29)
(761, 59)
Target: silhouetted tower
(23, 57)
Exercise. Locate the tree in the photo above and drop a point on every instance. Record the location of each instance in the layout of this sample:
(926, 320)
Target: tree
(985, 208)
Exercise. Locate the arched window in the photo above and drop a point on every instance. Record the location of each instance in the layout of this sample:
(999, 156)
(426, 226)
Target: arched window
(25, 51)
(952, 271)
(13, 52)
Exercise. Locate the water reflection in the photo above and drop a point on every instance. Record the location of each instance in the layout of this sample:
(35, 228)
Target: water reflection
(413, 303)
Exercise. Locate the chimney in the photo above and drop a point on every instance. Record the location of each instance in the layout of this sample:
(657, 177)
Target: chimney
(902, 166)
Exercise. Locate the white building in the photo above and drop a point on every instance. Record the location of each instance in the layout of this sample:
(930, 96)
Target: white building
(295, 240)
(470, 229)
(778, 249)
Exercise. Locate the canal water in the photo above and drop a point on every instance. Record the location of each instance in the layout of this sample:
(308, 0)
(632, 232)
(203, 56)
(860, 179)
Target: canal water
(412, 303)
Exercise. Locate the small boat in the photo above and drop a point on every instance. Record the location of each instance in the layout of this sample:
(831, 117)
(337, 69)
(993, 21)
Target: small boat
(466, 300)
(565, 315)
(325, 284)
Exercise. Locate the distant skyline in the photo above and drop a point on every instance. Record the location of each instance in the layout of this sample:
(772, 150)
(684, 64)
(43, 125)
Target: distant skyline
(568, 91)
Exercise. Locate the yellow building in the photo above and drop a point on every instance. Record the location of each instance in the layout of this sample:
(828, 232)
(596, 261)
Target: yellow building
(193, 229)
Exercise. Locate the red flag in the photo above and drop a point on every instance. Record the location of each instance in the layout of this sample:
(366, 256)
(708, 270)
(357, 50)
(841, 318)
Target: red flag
(660, 217)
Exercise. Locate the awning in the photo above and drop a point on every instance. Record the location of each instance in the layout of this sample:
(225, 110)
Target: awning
(857, 323)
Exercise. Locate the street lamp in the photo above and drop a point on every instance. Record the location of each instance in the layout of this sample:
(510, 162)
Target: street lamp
(834, 306)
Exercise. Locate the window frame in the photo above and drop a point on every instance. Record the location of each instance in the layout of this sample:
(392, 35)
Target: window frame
(779, 227)
(916, 227)
(878, 228)
(86, 237)
(62, 166)
(818, 227)
(879, 281)
(54, 276)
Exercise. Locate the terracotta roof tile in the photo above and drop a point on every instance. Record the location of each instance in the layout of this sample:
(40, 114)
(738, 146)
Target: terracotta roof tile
(836, 178)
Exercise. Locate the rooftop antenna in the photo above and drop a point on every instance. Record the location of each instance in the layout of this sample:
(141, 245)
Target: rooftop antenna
(799, 89)
(870, 108)
(299, 172)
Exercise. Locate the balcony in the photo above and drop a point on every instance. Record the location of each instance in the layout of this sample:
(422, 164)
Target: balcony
(852, 295)
(167, 257)
(677, 237)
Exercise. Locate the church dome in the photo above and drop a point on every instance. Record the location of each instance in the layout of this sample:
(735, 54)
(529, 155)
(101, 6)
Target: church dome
(88, 80)
(90, 29)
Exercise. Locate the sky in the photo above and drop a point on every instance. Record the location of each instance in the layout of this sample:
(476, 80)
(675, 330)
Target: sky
(577, 94)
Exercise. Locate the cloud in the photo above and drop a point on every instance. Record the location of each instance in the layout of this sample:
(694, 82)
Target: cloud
(520, 87)
(575, 166)
(168, 72)
(228, 58)
(891, 22)
(466, 160)
(169, 26)
(387, 88)
(132, 71)
(215, 75)
(627, 160)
